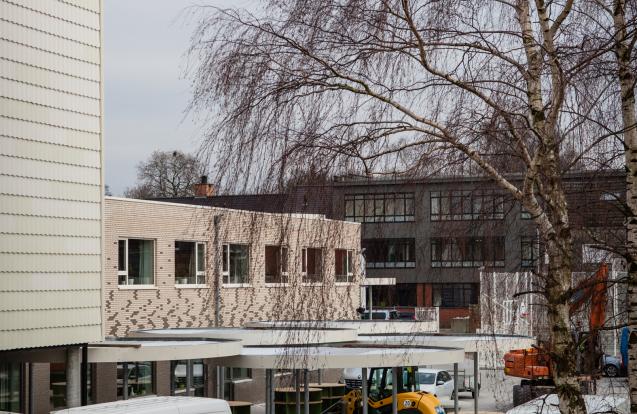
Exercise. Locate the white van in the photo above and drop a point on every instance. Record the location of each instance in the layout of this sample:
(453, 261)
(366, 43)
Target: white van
(155, 405)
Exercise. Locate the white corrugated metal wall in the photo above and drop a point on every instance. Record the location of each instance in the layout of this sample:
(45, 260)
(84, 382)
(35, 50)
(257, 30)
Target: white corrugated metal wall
(50, 172)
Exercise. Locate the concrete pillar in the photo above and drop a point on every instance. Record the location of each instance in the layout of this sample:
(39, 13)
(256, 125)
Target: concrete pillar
(73, 377)
(268, 385)
(306, 392)
(297, 386)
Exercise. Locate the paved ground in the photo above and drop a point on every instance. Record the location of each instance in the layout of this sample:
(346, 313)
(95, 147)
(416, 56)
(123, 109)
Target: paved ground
(495, 393)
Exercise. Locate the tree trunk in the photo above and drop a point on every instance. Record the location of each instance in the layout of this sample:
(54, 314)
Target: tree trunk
(626, 77)
(563, 346)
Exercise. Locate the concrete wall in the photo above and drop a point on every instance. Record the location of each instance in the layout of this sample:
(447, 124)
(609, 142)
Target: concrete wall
(50, 173)
(165, 304)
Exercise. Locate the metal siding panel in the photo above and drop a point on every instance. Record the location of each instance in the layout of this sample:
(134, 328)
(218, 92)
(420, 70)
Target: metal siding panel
(27, 244)
(63, 11)
(31, 187)
(16, 301)
(47, 97)
(32, 206)
(47, 337)
(44, 41)
(46, 133)
(22, 167)
(58, 26)
(12, 262)
(26, 282)
(18, 52)
(21, 224)
(48, 79)
(50, 318)
(49, 152)
(50, 116)
(93, 5)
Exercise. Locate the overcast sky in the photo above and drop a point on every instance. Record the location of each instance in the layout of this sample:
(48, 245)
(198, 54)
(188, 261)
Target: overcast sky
(145, 94)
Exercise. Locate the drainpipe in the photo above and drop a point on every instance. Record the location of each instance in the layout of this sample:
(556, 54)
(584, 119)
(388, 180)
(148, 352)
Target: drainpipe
(218, 252)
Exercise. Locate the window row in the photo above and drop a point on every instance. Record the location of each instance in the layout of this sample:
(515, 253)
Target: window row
(467, 252)
(455, 295)
(375, 208)
(136, 263)
(466, 205)
(390, 253)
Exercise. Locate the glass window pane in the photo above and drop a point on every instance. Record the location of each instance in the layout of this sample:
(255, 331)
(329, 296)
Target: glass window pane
(238, 263)
(10, 382)
(201, 257)
(409, 206)
(284, 259)
(224, 264)
(272, 261)
(185, 262)
(121, 255)
(349, 208)
(141, 262)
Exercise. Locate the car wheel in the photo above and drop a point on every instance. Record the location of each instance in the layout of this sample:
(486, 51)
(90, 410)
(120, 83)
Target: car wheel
(611, 370)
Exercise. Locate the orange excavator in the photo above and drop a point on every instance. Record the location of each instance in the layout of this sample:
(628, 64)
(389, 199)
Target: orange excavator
(533, 365)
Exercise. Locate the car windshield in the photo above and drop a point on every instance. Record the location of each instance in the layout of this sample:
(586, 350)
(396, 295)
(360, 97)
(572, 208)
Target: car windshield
(426, 377)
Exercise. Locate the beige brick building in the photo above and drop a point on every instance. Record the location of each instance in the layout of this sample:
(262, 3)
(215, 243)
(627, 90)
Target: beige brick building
(271, 266)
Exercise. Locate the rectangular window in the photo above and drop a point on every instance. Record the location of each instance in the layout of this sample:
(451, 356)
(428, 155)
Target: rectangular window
(312, 265)
(180, 370)
(455, 295)
(343, 266)
(465, 205)
(190, 263)
(467, 252)
(135, 379)
(235, 263)
(10, 386)
(390, 253)
(136, 262)
(528, 252)
(380, 207)
(276, 264)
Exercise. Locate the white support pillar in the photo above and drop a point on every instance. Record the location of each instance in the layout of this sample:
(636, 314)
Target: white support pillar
(364, 384)
(394, 390)
(455, 387)
(73, 377)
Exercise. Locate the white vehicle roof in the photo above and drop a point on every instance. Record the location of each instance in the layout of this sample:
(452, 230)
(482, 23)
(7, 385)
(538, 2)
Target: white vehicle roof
(430, 370)
(155, 405)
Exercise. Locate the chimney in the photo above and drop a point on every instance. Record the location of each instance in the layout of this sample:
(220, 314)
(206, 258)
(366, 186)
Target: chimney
(203, 189)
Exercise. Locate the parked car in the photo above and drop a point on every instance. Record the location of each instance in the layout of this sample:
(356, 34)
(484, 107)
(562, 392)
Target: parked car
(381, 314)
(611, 366)
(435, 381)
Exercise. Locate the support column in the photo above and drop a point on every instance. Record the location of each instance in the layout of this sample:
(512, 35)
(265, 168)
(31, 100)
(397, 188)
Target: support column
(297, 386)
(394, 390)
(84, 379)
(364, 384)
(476, 383)
(125, 381)
(455, 388)
(306, 393)
(73, 377)
(268, 385)
(189, 378)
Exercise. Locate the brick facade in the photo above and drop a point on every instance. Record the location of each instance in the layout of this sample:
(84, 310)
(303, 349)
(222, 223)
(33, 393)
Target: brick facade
(166, 304)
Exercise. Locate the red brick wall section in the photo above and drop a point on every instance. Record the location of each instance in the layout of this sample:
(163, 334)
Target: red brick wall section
(446, 314)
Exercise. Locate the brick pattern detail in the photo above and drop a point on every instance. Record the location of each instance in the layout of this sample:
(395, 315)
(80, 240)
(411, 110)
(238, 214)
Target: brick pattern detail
(166, 306)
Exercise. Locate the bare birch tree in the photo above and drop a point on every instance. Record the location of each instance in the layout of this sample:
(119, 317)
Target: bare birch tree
(407, 87)
(625, 36)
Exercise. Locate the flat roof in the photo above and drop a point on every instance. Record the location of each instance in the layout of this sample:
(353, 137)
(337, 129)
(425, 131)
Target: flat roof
(260, 335)
(161, 349)
(354, 355)
(468, 342)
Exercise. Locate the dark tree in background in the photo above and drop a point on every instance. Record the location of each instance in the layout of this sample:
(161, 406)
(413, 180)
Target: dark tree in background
(166, 174)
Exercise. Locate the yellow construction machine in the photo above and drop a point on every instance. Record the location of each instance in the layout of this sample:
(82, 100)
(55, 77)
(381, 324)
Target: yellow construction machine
(379, 397)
